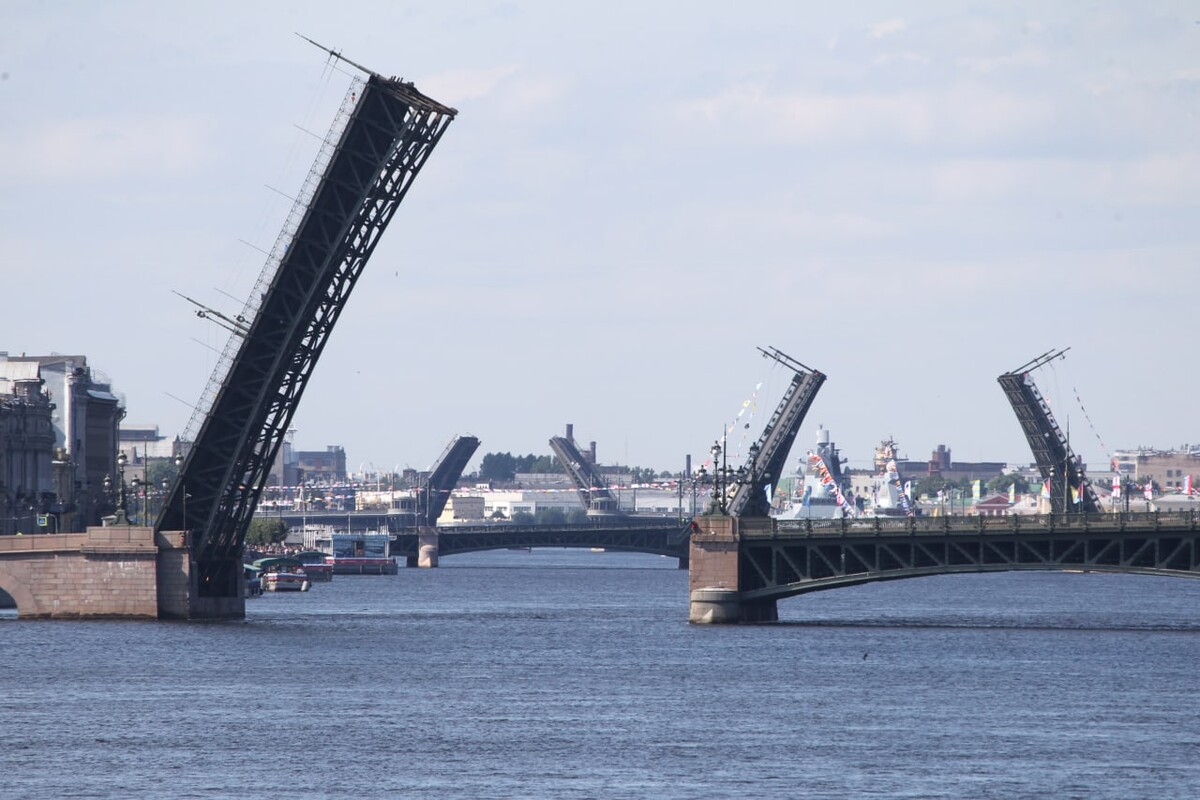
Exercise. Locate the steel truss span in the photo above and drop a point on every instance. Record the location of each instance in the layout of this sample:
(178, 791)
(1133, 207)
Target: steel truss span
(783, 562)
(1056, 462)
(433, 496)
(391, 132)
(665, 538)
(768, 455)
(589, 483)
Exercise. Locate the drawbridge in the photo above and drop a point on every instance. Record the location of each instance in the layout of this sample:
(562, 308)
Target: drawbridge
(1060, 468)
(382, 135)
(435, 493)
(590, 485)
(767, 457)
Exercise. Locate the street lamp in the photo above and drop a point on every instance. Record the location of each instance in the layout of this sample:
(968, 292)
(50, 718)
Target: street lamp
(718, 477)
(120, 517)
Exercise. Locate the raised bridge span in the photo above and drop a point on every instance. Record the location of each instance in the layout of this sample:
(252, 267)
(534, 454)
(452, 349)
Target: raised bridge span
(741, 567)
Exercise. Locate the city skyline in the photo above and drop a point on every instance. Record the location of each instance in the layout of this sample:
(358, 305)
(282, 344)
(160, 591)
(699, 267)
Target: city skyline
(624, 210)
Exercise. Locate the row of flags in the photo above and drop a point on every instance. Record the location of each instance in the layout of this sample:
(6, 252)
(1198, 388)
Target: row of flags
(1077, 492)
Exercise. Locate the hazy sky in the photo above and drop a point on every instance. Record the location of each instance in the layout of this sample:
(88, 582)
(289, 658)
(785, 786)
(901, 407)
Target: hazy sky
(910, 197)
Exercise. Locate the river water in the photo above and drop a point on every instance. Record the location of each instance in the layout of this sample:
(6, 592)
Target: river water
(571, 674)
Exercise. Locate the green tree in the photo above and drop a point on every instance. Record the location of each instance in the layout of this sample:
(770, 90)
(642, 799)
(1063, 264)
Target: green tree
(550, 516)
(266, 530)
(497, 467)
(1000, 484)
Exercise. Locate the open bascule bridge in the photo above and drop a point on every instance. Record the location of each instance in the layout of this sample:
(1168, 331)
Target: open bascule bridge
(189, 564)
(743, 562)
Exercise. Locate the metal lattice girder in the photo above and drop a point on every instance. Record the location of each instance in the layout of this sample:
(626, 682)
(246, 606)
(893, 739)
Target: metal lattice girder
(432, 497)
(784, 561)
(769, 454)
(1051, 451)
(589, 483)
(661, 537)
(392, 131)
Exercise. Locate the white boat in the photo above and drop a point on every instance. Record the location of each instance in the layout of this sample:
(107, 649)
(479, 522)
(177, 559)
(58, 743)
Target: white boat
(281, 575)
(285, 581)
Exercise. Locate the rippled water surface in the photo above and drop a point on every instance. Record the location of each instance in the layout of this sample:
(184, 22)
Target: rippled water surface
(567, 674)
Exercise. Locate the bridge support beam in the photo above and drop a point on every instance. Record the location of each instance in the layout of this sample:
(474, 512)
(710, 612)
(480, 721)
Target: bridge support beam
(714, 573)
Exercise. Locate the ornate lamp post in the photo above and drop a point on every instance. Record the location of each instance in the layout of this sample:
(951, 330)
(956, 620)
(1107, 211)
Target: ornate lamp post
(120, 517)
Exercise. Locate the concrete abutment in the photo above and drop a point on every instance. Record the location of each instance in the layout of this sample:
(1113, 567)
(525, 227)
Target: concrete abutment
(715, 596)
(112, 571)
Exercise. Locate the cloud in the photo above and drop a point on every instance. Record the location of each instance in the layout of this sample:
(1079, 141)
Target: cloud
(953, 117)
(1024, 58)
(461, 85)
(519, 90)
(887, 28)
(99, 147)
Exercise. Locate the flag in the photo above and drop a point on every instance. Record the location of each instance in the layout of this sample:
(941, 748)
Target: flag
(1148, 490)
(1074, 495)
(1046, 489)
(1116, 489)
(975, 489)
(1012, 493)
(1187, 485)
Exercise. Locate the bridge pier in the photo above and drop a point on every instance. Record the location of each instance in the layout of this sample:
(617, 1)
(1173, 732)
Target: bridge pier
(714, 563)
(427, 547)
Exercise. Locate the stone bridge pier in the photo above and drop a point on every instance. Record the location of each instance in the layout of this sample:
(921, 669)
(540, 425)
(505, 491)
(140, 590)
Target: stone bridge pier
(714, 572)
(119, 571)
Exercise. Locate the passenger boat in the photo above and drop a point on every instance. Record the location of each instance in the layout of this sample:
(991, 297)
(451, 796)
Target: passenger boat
(285, 582)
(315, 566)
(282, 575)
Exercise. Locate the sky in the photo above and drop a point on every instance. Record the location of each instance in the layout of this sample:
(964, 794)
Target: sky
(912, 198)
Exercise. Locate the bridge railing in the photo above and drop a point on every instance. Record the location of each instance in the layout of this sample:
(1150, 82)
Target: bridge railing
(655, 523)
(1014, 523)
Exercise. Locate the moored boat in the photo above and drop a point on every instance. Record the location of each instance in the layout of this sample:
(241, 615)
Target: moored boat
(315, 565)
(282, 575)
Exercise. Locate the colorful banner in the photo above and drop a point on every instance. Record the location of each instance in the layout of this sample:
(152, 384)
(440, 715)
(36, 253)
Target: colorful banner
(1012, 493)
(893, 475)
(1148, 491)
(1046, 489)
(830, 484)
(1116, 487)
(1187, 485)
(976, 489)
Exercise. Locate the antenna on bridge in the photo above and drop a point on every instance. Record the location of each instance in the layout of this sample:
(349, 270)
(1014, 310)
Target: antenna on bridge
(235, 325)
(338, 55)
(1042, 360)
(783, 358)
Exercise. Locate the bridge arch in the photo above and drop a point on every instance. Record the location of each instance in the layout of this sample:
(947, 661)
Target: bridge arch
(18, 589)
(797, 588)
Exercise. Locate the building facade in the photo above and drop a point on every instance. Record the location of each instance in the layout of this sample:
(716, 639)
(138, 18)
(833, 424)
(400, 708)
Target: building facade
(59, 472)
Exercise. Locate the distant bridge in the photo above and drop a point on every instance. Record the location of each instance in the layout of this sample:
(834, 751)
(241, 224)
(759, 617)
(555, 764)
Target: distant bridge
(664, 537)
(741, 567)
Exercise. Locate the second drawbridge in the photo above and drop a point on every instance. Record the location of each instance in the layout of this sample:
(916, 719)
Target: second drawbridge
(591, 486)
(1061, 470)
